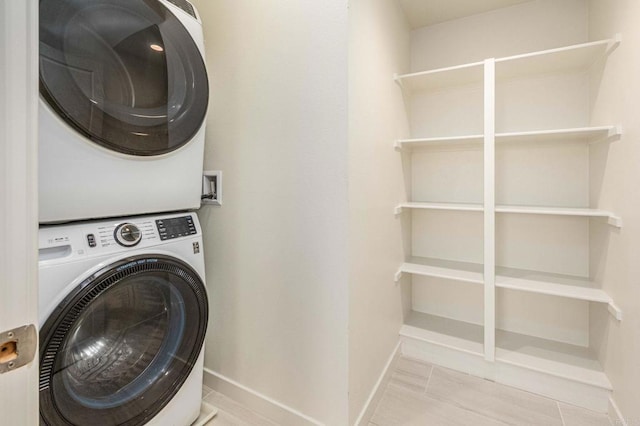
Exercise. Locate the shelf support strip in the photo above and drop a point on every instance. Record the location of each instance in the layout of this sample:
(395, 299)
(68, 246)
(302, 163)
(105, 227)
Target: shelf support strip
(489, 210)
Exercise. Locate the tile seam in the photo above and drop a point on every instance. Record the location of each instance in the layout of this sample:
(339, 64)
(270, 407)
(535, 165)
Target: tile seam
(560, 412)
(426, 387)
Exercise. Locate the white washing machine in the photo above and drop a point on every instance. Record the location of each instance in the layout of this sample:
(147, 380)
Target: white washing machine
(123, 316)
(123, 101)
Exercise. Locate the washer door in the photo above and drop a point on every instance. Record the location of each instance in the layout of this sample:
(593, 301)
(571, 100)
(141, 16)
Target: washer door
(121, 345)
(124, 73)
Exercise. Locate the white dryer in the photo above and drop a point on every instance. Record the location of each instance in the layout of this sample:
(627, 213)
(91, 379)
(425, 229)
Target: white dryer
(123, 101)
(123, 316)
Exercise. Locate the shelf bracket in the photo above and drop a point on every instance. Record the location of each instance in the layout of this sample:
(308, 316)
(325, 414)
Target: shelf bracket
(615, 42)
(398, 80)
(397, 211)
(615, 311)
(614, 134)
(617, 132)
(615, 221)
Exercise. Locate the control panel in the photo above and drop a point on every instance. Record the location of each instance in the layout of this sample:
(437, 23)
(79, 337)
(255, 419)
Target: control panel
(114, 235)
(175, 227)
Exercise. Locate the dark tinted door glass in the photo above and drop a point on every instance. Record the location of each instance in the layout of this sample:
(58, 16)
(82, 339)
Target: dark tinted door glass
(124, 73)
(122, 344)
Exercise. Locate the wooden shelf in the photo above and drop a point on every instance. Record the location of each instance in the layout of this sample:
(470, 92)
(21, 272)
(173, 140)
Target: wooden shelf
(449, 333)
(554, 211)
(567, 58)
(459, 75)
(459, 271)
(571, 362)
(439, 206)
(561, 211)
(515, 279)
(551, 284)
(555, 285)
(588, 134)
(563, 59)
(438, 141)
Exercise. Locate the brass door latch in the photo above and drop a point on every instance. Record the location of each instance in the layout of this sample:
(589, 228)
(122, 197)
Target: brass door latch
(17, 347)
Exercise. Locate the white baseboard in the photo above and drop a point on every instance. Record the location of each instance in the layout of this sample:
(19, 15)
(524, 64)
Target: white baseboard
(615, 416)
(376, 392)
(261, 404)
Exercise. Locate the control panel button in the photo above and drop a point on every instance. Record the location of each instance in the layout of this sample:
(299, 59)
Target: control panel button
(91, 239)
(127, 234)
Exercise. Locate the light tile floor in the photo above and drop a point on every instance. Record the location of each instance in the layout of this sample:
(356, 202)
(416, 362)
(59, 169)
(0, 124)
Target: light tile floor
(426, 395)
(422, 394)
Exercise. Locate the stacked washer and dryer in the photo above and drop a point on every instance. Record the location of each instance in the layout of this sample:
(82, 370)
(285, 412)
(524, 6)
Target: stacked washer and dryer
(123, 303)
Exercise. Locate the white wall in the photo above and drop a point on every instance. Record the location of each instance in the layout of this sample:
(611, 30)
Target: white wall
(531, 26)
(615, 171)
(378, 48)
(276, 250)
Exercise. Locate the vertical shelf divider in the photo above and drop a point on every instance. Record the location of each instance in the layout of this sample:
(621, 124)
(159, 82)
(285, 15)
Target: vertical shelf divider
(489, 210)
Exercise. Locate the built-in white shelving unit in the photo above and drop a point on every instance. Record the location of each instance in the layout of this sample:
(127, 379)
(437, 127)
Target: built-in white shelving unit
(486, 349)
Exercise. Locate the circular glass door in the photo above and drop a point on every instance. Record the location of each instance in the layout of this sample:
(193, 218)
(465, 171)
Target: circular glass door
(122, 344)
(124, 73)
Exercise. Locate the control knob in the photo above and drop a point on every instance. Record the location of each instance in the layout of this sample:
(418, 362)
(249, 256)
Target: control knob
(127, 234)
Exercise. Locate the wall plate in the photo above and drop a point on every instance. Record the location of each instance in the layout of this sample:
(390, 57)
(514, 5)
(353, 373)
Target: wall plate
(212, 187)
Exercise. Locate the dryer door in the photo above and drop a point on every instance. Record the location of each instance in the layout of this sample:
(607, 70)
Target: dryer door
(125, 73)
(121, 345)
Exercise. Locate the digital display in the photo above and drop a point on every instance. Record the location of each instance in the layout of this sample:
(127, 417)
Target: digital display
(176, 227)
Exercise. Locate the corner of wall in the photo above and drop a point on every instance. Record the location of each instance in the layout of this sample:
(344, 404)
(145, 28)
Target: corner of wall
(379, 39)
(615, 173)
